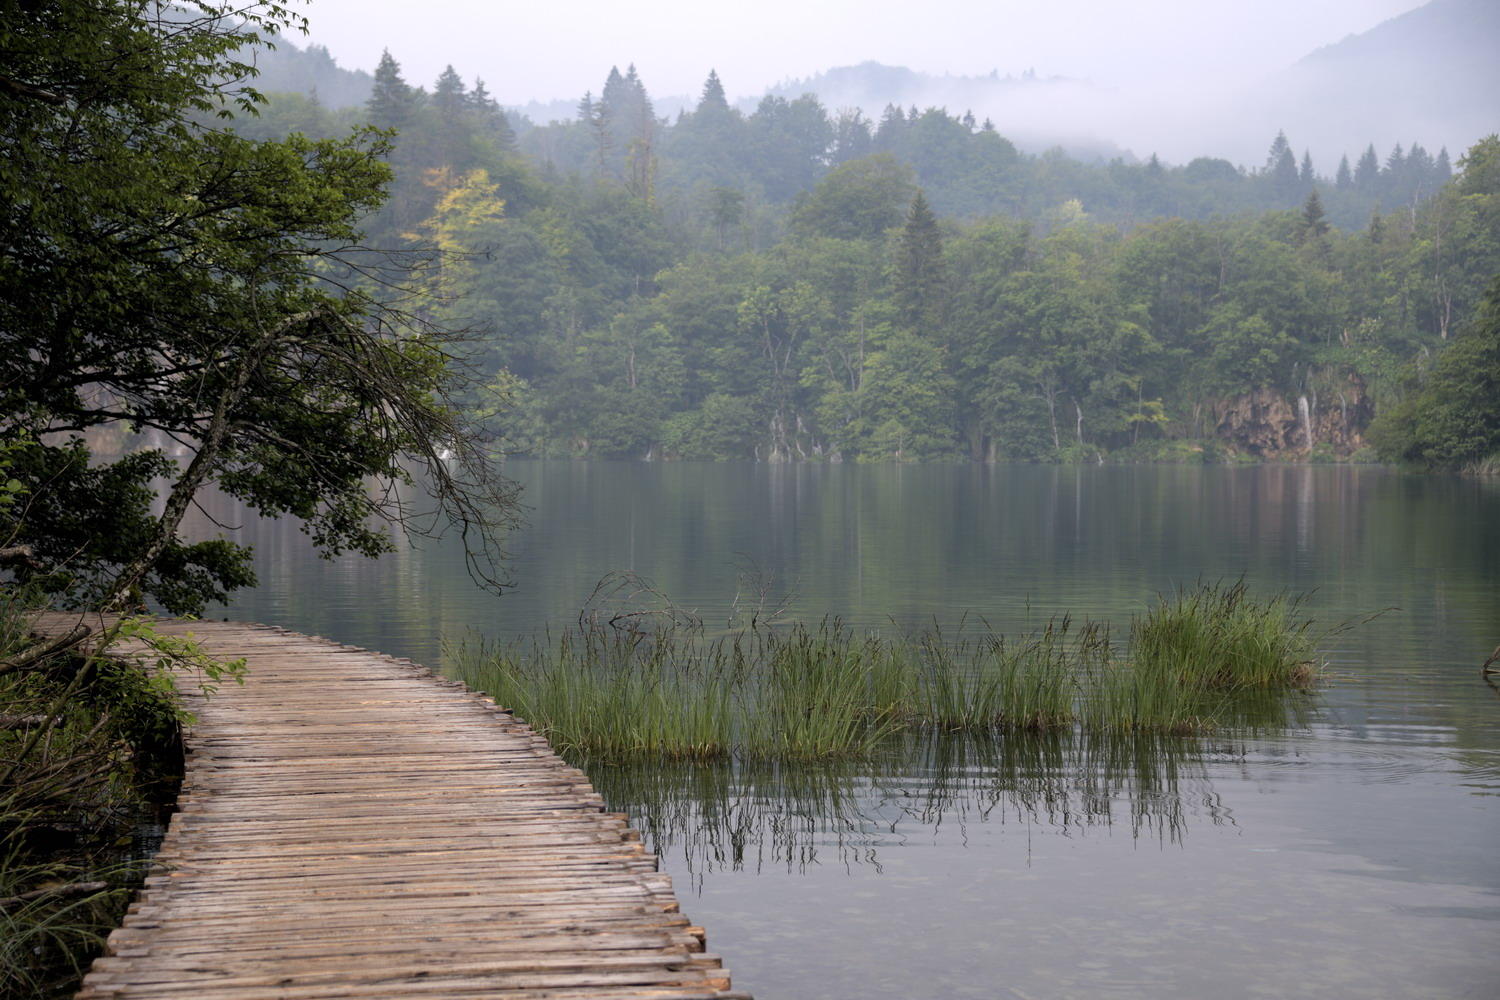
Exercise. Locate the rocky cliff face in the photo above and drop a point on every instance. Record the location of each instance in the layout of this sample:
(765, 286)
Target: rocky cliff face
(1267, 424)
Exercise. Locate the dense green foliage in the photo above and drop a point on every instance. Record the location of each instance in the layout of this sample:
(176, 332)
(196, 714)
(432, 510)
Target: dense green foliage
(162, 274)
(789, 285)
(1452, 420)
(89, 754)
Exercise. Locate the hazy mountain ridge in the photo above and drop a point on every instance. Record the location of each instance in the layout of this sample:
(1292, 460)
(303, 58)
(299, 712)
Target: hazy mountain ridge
(1428, 75)
(1431, 75)
(311, 70)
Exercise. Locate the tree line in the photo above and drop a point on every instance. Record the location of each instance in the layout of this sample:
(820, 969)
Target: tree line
(791, 284)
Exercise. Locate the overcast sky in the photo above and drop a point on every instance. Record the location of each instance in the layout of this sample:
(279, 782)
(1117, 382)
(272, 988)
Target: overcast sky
(550, 50)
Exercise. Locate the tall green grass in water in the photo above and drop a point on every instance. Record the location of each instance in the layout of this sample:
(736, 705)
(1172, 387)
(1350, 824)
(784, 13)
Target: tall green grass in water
(811, 692)
(1219, 638)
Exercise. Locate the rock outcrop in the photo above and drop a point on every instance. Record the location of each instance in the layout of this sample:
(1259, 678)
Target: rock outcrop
(1267, 424)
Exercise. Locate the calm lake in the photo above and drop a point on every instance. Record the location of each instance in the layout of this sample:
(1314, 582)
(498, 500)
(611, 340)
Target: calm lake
(1354, 854)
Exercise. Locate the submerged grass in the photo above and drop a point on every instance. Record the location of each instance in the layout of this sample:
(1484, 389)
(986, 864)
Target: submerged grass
(812, 692)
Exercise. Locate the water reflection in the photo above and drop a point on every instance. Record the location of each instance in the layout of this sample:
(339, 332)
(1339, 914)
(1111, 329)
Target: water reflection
(755, 815)
(1358, 858)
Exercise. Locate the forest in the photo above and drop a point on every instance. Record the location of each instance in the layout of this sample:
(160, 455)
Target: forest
(806, 284)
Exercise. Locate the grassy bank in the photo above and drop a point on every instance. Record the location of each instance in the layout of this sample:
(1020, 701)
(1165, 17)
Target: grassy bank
(1195, 661)
(90, 759)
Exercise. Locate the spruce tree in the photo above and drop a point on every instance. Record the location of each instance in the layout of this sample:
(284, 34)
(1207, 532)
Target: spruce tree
(614, 90)
(449, 94)
(1314, 224)
(919, 267)
(892, 125)
(1395, 164)
(1442, 169)
(1281, 164)
(1344, 180)
(1367, 171)
(1305, 176)
(1279, 148)
(488, 113)
(392, 103)
(635, 127)
(713, 99)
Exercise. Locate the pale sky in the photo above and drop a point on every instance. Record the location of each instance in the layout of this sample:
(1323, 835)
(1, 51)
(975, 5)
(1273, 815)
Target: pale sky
(546, 51)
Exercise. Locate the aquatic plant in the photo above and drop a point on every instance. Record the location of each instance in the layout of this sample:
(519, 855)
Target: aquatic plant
(603, 692)
(1217, 637)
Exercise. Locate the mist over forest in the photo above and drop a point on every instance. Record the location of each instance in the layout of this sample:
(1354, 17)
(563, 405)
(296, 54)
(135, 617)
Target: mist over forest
(1428, 74)
(800, 278)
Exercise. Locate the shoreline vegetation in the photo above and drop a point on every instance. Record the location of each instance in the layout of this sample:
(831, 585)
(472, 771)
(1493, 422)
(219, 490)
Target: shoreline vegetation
(90, 765)
(1205, 659)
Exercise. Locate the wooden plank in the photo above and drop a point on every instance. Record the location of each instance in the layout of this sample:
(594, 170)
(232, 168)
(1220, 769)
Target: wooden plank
(355, 827)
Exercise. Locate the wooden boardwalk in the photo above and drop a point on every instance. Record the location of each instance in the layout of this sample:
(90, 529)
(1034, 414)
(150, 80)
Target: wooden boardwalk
(352, 826)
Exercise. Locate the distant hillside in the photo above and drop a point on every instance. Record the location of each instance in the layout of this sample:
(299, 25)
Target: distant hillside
(312, 70)
(1431, 74)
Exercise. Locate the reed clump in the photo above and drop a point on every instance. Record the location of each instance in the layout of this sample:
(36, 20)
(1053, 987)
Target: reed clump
(772, 692)
(1218, 637)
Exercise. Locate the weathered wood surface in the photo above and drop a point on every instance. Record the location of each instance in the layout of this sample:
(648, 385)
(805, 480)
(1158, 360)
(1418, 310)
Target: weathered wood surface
(352, 826)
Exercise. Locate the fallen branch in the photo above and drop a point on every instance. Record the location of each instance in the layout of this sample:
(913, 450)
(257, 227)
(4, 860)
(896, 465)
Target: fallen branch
(42, 650)
(69, 891)
(19, 555)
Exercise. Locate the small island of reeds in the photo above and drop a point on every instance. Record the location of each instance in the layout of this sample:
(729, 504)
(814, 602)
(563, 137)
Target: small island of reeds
(1195, 661)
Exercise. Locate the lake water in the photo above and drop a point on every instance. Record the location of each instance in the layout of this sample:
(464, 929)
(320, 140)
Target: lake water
(1356, 853)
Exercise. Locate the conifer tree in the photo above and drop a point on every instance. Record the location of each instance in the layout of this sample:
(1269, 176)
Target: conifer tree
(489, 114)
(1314, 224)
(449, 94)
(1344, 180)
(392, 102)
(1305, 175)
(713, 99)
(1282, 167)
(449, 132)
(1419, 170)
(892, 125)
(1442, 169)
(637, 119)
(1395, 164)
(1279, 148)
(919, 275)
(1367, 171)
